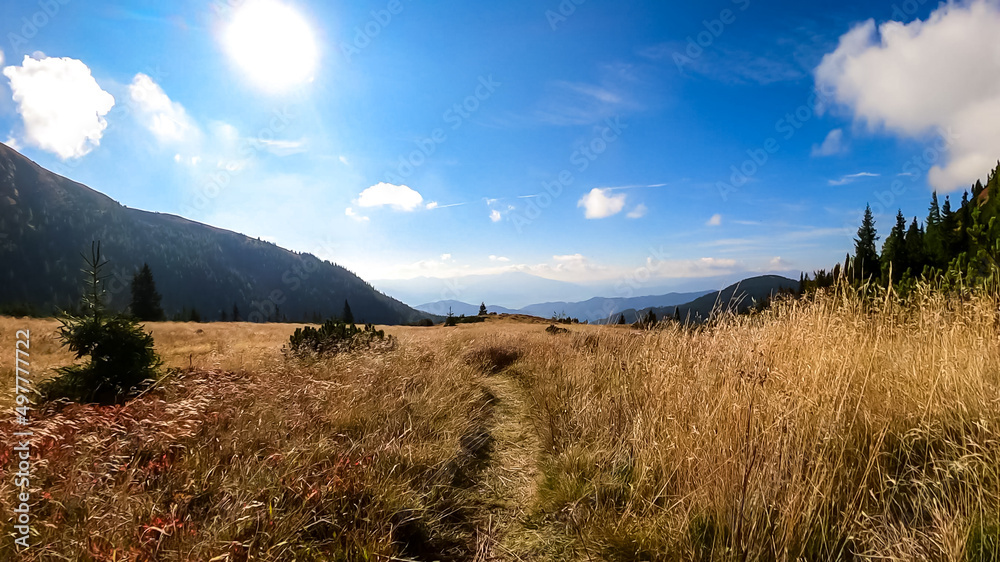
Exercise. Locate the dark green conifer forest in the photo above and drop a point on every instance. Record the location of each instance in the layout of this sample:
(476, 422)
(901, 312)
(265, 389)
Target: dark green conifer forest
(954, 246)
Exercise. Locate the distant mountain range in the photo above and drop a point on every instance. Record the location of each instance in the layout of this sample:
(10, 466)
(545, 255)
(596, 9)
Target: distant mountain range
(459, 308)
(739, 297)
(513, 289)
(47, 221)
(591, 310)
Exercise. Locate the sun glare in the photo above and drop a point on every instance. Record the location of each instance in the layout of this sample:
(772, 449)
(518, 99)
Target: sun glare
(273, 44)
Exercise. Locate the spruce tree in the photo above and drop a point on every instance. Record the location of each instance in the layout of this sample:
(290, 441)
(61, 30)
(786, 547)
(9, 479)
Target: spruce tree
(145, 300)
(866, 259)
(121, 355)
(348, 315)
(894, 251)
(993, 183)
(964, 220)
(949, 231)
(914, 244)
(934, 238)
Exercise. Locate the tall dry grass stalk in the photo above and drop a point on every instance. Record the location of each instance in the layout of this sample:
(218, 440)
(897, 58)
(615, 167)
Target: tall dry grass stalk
(824, 429)
(833, 428)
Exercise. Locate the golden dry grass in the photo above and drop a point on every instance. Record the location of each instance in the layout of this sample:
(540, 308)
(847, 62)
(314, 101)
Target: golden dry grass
(818, 430)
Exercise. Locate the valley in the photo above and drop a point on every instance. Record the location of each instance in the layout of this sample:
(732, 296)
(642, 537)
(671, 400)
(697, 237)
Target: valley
(801, 431)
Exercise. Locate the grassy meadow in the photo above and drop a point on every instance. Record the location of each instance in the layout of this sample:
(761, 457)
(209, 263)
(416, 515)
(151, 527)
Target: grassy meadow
(823, 429)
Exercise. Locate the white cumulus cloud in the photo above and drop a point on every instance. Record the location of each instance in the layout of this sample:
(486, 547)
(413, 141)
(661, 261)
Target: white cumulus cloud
(399, 197)
(500, 259)
(600, 203)
(61, 104)
(495, 215)
(165, 118)
(716, 220)
(940, 75)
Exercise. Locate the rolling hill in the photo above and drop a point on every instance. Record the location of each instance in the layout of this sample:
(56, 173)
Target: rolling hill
(47, 221)
(600, 308)
(512, 288)
(591, 310)
(739, 298)
(459, 308)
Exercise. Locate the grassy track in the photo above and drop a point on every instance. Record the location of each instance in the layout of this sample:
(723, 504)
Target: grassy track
(822, 430)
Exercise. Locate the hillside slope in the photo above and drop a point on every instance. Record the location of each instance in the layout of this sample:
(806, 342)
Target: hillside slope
(591, 310)
(738, 297)
(47, 221)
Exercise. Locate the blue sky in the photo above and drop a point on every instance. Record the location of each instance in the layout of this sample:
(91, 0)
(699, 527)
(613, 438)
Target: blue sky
(580, 141)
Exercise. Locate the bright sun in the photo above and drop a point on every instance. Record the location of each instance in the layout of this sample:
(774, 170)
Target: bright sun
(272, 43)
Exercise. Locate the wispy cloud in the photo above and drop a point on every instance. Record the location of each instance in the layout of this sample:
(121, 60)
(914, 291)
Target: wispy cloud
(435, 205)
(716, 220)
(584, 103)
(578, 268)
(165, 118)
(783, 240)
(354, 215)
(850, 178)
(640, 186)
(589, 90)
(638, 212)
(832, 144)
(284, 147)
(727, 65)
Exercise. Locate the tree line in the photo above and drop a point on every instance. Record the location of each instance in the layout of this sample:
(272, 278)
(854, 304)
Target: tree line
(145, 305)
(959, 247)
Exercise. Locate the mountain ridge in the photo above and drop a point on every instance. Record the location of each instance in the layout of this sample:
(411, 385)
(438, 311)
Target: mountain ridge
(738, 297)
(593, 309)
(46, 220)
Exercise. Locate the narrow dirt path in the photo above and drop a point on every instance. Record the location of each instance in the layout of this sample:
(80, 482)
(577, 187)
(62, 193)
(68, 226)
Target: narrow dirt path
(509, 483)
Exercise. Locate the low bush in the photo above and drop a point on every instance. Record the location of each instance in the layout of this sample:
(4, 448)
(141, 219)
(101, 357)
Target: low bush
(335, 337)
(493, 358)
(456, 320)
